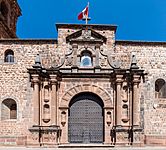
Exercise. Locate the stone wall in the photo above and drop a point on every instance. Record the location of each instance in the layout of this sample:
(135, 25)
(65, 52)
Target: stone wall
(15, 84)
(15, 81)
(151, 58)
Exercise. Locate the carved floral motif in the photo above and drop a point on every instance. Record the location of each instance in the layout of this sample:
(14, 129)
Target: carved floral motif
(86, 34)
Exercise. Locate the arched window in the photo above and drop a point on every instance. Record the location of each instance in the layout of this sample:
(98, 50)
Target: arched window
(86, 59)
(9, 109)
(9, 56)
(4, 11)
(160, 88)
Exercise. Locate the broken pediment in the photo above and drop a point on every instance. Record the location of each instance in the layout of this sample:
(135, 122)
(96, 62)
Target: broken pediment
(86, 35)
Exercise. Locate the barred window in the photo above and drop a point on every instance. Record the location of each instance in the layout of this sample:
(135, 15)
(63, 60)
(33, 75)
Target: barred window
(9, 56)
(86, 59)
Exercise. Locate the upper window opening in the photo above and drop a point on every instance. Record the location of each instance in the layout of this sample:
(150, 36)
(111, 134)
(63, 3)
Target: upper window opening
(160, 88)
(9, 56)
(86, 59)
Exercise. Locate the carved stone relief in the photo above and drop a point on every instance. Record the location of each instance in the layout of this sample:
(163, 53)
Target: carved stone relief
(86, 34)
(122, 137)
(107, 59)
(103, 62)
(69, 61)
(57, 61)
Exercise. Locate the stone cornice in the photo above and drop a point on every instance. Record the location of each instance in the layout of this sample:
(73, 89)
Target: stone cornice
(82, 26)
(140, 42)
(28, 41)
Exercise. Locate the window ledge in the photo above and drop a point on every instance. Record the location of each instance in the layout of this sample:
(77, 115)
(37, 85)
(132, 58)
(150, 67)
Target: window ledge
(9, 63)
(161, 98)
(10, 120)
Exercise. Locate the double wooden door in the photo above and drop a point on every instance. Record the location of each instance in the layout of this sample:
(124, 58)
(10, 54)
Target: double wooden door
(86, 119)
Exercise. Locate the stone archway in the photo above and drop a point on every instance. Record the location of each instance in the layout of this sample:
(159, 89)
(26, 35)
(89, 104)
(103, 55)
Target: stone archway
(107, 109)
(105, 96)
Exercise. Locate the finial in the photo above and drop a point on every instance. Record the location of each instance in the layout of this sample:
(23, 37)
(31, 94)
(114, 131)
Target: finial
(133, 62)
(37, 62)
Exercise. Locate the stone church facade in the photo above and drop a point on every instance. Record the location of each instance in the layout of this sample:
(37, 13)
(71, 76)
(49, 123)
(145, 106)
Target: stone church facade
(85, 87)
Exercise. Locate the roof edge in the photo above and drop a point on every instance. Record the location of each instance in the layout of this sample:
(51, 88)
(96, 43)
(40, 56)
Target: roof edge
(80, 26)
(139, 42)
(27, 40)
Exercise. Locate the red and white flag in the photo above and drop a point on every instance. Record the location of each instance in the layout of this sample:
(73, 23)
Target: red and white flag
(84, 13)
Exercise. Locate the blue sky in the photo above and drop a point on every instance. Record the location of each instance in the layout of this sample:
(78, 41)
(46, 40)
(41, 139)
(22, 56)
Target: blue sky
(136, 19)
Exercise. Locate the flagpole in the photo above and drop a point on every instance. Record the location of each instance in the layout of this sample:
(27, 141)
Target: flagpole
(87, 15)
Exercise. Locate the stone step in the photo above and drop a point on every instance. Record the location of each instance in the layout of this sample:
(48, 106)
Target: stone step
(85, 148)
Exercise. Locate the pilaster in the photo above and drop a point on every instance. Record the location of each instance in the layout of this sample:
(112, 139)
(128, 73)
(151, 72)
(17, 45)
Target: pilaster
(136, 101)
(137, 135)
(34, 137)
(54, 109)
(36, 99)
(119, 80)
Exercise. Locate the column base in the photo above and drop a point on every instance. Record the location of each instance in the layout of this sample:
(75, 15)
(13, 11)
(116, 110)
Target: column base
(45, 136)
(122, 137)
(138, 136)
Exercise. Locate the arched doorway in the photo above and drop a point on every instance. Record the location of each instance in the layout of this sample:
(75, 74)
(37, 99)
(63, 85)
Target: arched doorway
(86, 119)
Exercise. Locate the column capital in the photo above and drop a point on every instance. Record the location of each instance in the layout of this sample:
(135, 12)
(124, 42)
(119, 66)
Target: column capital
(119, 78)
(136, 79)
(74, 45)
(35, 78)
(97, 46)
(53, 79)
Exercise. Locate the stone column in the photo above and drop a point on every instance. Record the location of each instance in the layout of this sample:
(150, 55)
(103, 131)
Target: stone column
(36, 100)
(136, 101)
(54, 109)
(118, 99)
(75, 47)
